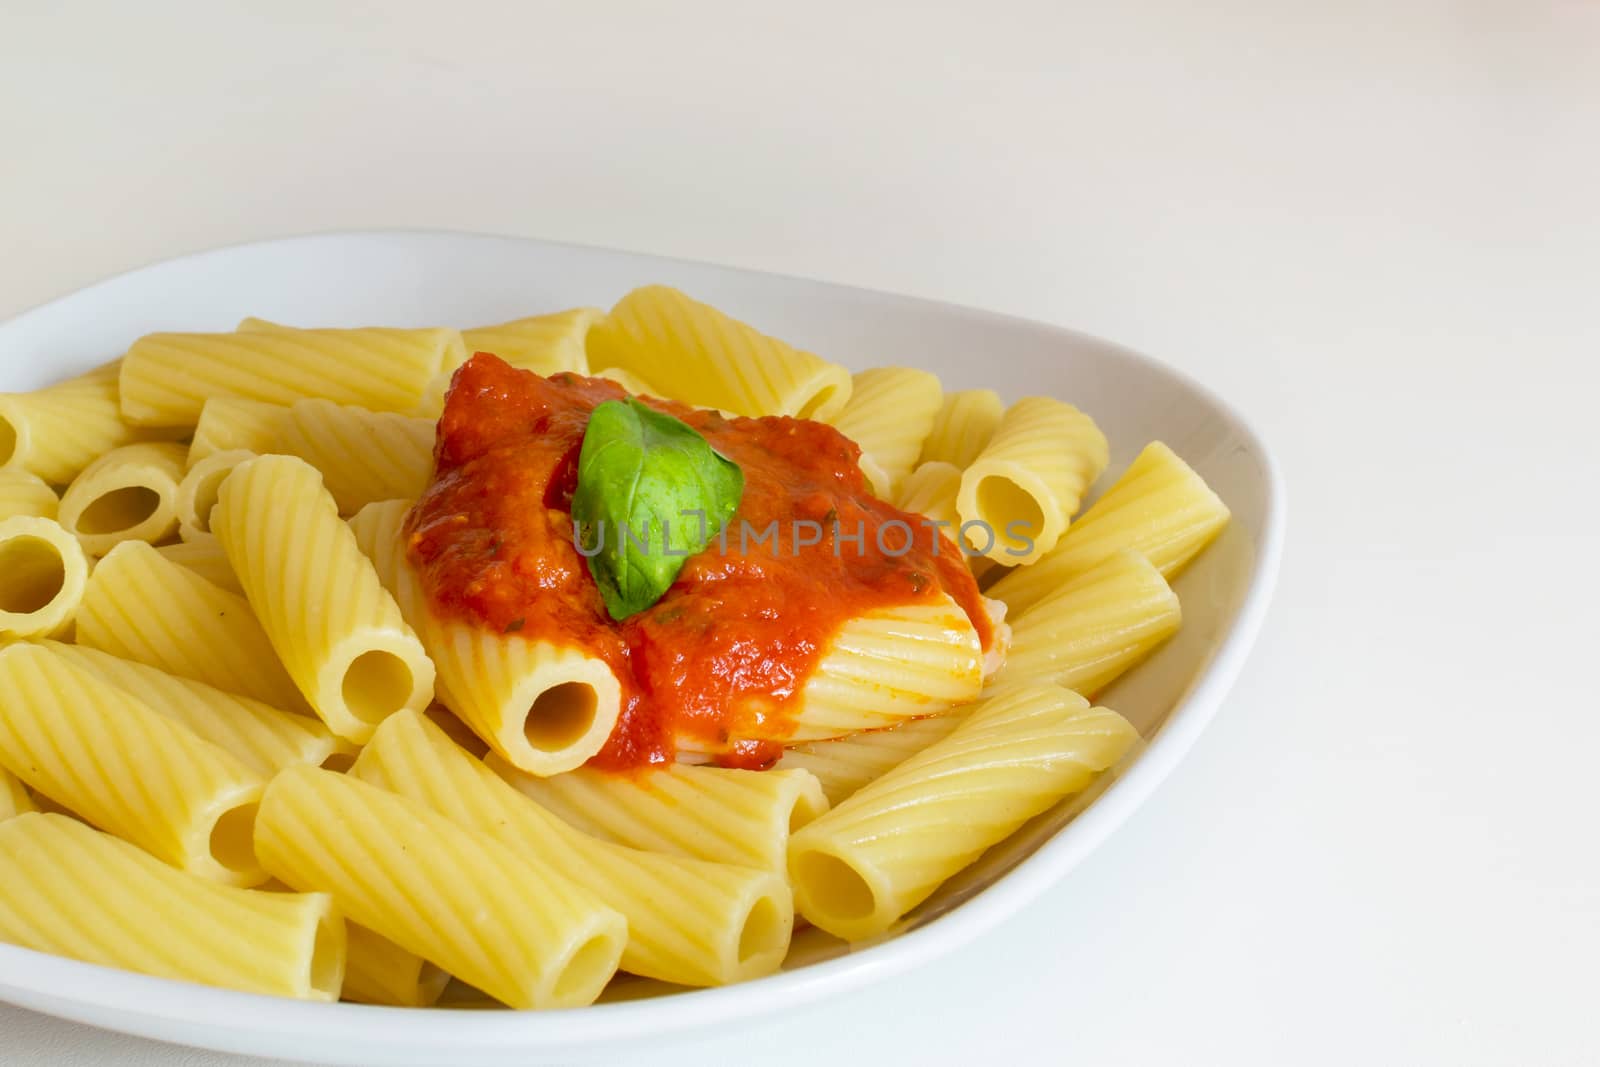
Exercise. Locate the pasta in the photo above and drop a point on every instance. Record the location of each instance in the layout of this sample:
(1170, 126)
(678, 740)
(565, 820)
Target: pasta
(378, 971)
(126, 768)
(710, 813)
(1159, 507)
(544, 708)
(351, 654)
(167, 378)
(455, 897)
(878, 854)
(963, 428)
(364, 456)
(233, 424)
(76, 892)
(14, 798)
(22, 493)
(890, 414)
(544, 344)
(689, 922)
(1095, 627)
(263, 738)
(57, 431)
(204, 557)
(43, 575)
(143, 607)
(843, 765)
(1028, 481)
(197, 494)
(716, 361)
(129, 494)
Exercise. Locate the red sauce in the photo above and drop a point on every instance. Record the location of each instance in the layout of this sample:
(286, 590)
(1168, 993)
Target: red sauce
(720, 658)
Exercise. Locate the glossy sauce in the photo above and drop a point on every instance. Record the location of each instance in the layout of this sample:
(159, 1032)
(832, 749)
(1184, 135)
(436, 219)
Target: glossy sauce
(718, 661)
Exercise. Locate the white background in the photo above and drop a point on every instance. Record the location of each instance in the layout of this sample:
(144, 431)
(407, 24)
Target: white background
(1373, 225)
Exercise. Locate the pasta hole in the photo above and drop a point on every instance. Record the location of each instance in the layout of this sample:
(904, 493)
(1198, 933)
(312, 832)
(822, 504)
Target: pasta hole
(340, 762)
(1003, 502)
(118, 510)
(834, 886)
(807, 806)
(34, 573)
(205, 497)
(8, 441)
(764, 931)
(327, 960)
(586, 971)
(560, 716)
(233, 838)
(377, 685)
(816, 403)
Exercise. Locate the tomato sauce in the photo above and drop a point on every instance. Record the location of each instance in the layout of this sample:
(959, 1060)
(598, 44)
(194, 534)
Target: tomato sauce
(719, 660)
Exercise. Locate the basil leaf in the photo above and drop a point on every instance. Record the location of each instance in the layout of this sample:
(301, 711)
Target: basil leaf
(651, 492)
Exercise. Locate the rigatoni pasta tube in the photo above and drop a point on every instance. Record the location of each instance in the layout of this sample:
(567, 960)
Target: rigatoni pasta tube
(689, 922)
(22, 493)
(455, 897)
(890, 665)
(129, 494)
(378, 971)
(197, 493)
(544, 344)
(364, 456)
(168, 377)
(1159, 507)
(546, 708)
(127, 769)
(337, 630)
(1095, 627)
(44, 573)
(263, 738)
(846, 764)
(715, 361)
(883, 851)
(141, 606)
(1029, 480)
(57, 431)
(233, 424)
(73, 891)
(14, 798)
(204, 556)
(890, 414)
(717, 814)
(963, 427)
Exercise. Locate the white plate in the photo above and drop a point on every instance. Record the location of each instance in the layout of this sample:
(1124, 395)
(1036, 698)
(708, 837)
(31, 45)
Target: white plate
(429, 279)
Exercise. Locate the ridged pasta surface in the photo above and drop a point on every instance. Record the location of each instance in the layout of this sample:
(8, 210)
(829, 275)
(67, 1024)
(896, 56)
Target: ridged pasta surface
(845, 764)
(890, 414)
(234, 424)
(963, 427)
(204, 557)
(128, 494)
(544, 344)
(22, 493)
(57, 431)
(378, 971)
(364, 456)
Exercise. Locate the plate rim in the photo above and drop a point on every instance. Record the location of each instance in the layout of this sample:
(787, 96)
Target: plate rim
(152, 1007)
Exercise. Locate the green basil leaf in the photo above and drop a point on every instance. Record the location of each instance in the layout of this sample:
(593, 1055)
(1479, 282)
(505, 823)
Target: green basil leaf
(651, 493)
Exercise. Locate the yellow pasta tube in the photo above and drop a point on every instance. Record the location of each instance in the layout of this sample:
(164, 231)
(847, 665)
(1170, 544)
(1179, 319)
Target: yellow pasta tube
(456, 897)
(890, 665)
(544, 344)
(1027, 483)
(22, 493)
(364, 456)
(890, 413)
(629, 381)
(141, 606)
(73, 891)
(204, 556)
(14, 798)
(1095, 627)
(130, 494)
(126, 768)
(930, 491)
(337, 631)
(43, 576)
(378, 971)
(844, 765)
(262, 738)
(232, 424)
(963, 428)
(877, 855)
(712, 360)
(546, 708)
(168, 377)
(689, 922)
(1159, 507)
(711, 813)
(57, 431)
(197, 493)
